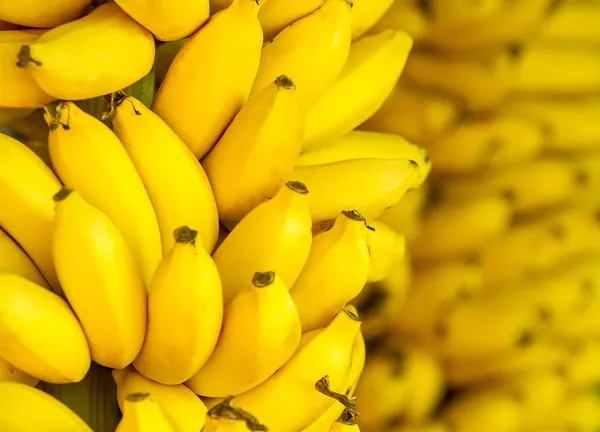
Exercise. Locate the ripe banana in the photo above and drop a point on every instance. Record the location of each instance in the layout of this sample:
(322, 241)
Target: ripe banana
(572, 23)
(580, 412)
(17, 88)
(89, 158)
(157, 152)
(276, 235)
(369, 76)
(39, 333)
(14, 260)
(100, 279)
(27, 211)
(142, 413)
(405, 217)
(312, 52)
(580, 368)
(10, 373)
(586, 167)
(451, 230)
(184, 410)
(186, 294)
(258, 151)
(405, 15)
(71, 61)
(168, 20)
(336, 271)
(28, 409)
(365, 13)
(276, 15)
(225, 53)
(32, 13)
(386, 249)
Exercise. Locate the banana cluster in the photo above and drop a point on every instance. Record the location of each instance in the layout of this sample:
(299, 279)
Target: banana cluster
(500, 299)
(192, 256)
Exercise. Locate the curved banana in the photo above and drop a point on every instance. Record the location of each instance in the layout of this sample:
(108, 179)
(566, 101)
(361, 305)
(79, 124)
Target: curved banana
(10, 373)
(142, 413)
(572, 23)
(335, 272)
(276, 15)
(276, 235)
(27, 212)
(157, 152)
(369, 76)
(100, 279)
(226, 52)
(89, 158)
(312, 52)
(261, 330)
(258, 151)
(184, 410)
(32, 13)
(386, 248)
(405, 217)
(29, 409)
(405, 15)
(14, 260)
(168, 20)
(365, 13)
(17, 88)
(172, 353)
(56, 63)
(40, 334)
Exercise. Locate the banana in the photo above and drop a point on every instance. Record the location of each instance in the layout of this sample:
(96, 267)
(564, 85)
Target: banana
(32, 13)
(56, 64)
(27, 211)
(142, 413)
(452, 230)
(261, 330)
(157, 152)
(276, 15)
(184, 410)
(89, 158)
(35, 323)
(312, 52)
(258, 151)
(418, 114)
(365, 13)
(226, 53)
(276, 235)
(100, 279)
(580, 369)
(14, 260)
(369, 76)
(386, 248)
(586, 167)
(173, 353)
(17, 88)
(364, 145)
(572, 23)
(406, 216)
(405, 15)
(28, 409)
(336, 270)
(368, 185)
(580, 412)
(168, 20)
(10, 373)
(289, 400)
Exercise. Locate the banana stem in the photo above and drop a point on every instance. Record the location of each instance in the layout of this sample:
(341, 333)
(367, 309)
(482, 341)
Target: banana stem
(322, 386)
(348, 417)
(227, 411)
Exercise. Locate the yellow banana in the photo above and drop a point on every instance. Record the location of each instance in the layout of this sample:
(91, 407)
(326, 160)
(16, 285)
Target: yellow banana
(312, 52)
(336, 271)
(39, 333)
(416, 113)
(452, 230)
(405, 216)
(14, 260)
(405, 15)
(173, 352)
(261, 330)
(100, 279)
(32, 13)
(386, 248)
(70, 61)
(276, 15)
(580, 368)
(369, 76)
(289, 400)
(89, 158)
(572, 23)
(142, 413)
(365, 13)
(10, 373)
(17, 88)
(27, 212)
(258, 151)
(226, 53)
(275, 235)
(157, 153)
(184, 410)
(168, 20)
(586, 168)
(28, 409)
(580, 412)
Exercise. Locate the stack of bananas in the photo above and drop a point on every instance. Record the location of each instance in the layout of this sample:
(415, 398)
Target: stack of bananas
(132, 275)
(497, 327)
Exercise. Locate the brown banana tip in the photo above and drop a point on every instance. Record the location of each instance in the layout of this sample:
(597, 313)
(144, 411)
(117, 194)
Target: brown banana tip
(298, 187)
(24, 57)
(356, 216)
(351, 314)
(348, 417)
(62, 194)
(285, 82)
(349, 3)
(185, 234)
(322, 386)
(413, 163)
(226, 410)
(137, 397)
(263, 279)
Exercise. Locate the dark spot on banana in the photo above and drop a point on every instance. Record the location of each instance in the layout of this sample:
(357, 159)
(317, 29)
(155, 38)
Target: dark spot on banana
(515, 51)
(526, 339)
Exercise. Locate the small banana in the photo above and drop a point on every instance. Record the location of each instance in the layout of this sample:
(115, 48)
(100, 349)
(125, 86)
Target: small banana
(157, 152)
(572, 23)
(365, 13)
(406, 216)
(405, 15)
(386, 248)
(226, 53)
(32, 13)
(100, 279)
(40, 335)
(10, 373)
(261, 330)
(14, 260)
(186, 294)
(56, 64)
(276, 235)
(258, 151)
(142, 413)
(276, 15)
